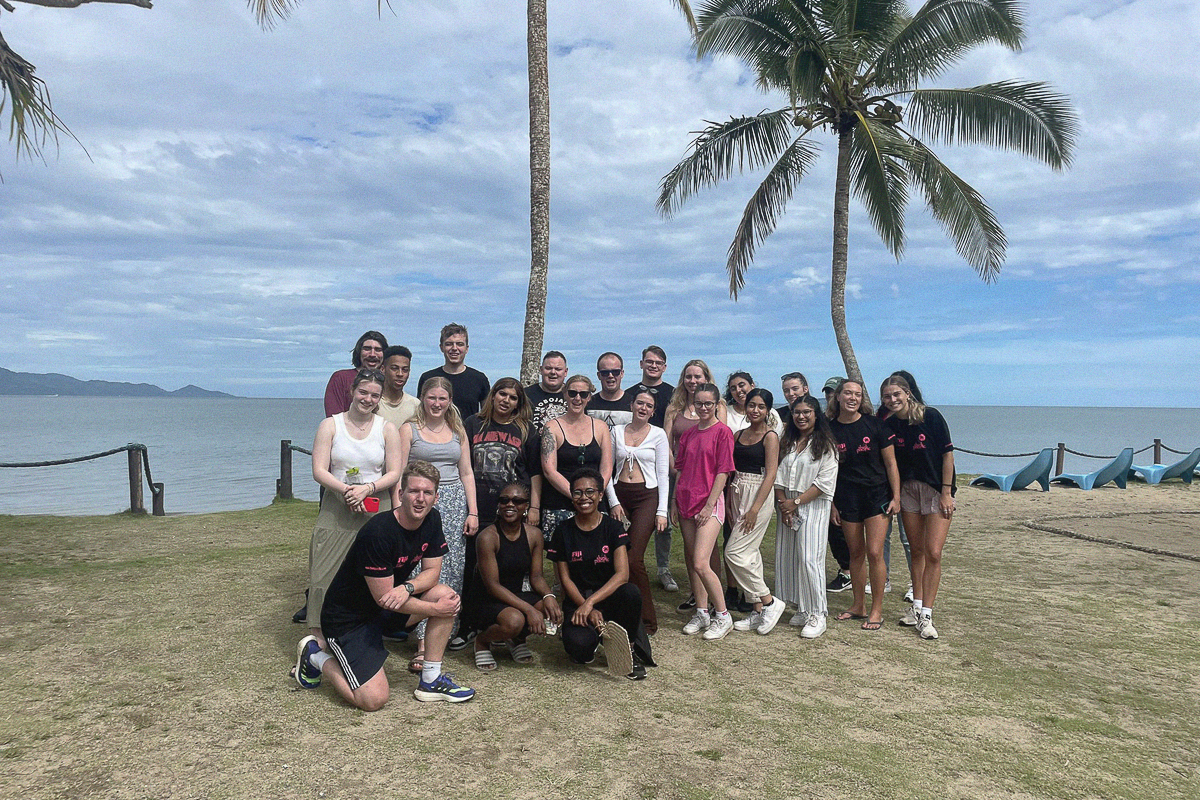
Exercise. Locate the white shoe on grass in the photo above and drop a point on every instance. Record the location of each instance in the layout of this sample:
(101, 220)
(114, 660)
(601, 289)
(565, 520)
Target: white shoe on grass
(815, 627)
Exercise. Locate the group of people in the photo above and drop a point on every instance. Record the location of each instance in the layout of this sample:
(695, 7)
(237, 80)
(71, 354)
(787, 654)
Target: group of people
(438, 510)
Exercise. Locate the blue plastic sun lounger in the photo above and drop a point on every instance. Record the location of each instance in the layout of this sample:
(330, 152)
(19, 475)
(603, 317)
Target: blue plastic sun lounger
(1157, 473)
(1037, 470)
(1116, 471)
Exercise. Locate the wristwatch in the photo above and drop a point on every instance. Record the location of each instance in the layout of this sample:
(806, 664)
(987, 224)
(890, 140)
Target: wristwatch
(408, 587)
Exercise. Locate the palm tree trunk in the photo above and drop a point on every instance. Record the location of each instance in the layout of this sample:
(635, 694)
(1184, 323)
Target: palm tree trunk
(539, 190)
(841, 231)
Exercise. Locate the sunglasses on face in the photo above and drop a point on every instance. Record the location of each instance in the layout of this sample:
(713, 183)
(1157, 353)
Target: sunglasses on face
(579, 393)
(609, 373)
(507, 500)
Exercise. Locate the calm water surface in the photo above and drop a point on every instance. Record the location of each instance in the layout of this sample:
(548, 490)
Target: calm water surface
(223, 454)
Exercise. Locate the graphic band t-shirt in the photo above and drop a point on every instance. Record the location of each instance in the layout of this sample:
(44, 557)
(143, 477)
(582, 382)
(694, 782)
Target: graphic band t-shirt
(500, 454)
(471, 388)
(383, 548)
(588, 554)
(704, 453)
(860, 444)
(921, 447)
(545, 406)
(612, 412)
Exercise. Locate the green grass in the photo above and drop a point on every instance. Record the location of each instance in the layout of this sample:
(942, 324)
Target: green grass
(147, 656)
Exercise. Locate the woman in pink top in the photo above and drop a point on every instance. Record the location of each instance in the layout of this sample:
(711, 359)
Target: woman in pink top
(704, 461)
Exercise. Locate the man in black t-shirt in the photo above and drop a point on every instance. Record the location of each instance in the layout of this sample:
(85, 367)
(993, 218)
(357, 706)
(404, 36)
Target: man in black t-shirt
(373, 579)
(471, 386)
(547, 400)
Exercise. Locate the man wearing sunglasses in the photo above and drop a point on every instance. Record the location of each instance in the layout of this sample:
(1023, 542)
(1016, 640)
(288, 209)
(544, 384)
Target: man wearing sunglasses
(612, 404)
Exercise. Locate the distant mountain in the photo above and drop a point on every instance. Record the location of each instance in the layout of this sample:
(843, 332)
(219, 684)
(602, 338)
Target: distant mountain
(29, 383)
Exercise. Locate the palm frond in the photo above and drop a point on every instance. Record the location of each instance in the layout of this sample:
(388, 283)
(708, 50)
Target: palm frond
(879, 173)
(780, 42)
(940, 33)
(270, 12)
(1027, 117)
(724, 148)
(766, 205)
(962, 212)
(686, 9)
(32, 122)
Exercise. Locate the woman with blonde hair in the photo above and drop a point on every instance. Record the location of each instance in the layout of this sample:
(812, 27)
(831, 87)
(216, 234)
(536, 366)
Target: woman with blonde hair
(570, 443)
(925, 457)
(436, 435)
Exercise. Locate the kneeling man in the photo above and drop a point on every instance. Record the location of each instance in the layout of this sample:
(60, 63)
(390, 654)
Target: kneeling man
(374, 579)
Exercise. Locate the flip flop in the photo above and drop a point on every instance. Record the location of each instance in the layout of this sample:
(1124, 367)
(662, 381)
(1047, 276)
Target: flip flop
(871, 625)
(485, 661)
(520, 652)
(616, 649)
(417, 663)
(845, 615)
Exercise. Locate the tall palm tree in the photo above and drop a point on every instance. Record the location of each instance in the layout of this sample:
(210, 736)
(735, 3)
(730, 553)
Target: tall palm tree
(844, 67)
(539, 189)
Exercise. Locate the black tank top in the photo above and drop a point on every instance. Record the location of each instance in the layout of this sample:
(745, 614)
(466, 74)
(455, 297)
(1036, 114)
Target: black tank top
(750, 458)
(513, 560)
(571, 457)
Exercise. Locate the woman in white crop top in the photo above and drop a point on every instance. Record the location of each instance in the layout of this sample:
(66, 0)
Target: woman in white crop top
(638, 490)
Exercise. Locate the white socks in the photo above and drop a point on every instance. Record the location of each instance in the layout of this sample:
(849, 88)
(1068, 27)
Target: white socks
(318, 659)
(430, 671)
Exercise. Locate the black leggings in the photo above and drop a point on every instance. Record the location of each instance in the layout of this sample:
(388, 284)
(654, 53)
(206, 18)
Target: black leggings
(624, 607)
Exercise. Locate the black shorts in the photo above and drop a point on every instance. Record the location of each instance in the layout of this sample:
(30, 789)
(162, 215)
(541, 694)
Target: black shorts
(486, 610)
(359, 651)
(856, 503)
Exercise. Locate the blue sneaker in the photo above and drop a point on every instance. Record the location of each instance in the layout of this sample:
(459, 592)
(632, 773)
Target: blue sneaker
(308, 676)
(442, 687)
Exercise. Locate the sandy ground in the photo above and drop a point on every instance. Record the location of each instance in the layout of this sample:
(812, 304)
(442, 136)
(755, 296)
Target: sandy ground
(147, 658)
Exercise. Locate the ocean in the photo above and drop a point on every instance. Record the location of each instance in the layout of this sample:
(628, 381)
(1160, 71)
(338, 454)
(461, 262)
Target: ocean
(222, 454)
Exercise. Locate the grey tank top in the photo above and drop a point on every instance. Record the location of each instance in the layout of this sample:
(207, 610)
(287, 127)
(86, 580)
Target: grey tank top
(443, 456)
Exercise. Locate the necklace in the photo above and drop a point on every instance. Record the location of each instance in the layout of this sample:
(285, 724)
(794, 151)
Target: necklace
(636, 439)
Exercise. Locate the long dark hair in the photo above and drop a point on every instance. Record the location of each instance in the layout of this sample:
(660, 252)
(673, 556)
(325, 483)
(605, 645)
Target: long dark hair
(821, 440)
(521, 416)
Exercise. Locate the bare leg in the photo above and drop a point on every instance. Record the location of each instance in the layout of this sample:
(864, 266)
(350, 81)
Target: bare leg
(687, 529)
(914, 526)
(876, 529)
(853, 532)
(708, 579)
(369, 696)
(936, 529)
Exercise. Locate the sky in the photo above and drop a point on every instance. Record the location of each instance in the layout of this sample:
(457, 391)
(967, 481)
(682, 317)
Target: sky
(250, 201)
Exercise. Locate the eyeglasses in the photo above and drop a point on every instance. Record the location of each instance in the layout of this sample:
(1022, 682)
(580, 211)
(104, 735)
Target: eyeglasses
(609, 373)
(506, 500)
(577, 393)
(650, 362)
(588, 492)
(704, 404)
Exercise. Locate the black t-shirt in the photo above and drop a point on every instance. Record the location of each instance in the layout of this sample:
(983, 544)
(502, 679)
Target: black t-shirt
(383, 548)
(588, 554)
(471, 388)
(859, 451)
(544, 405)
(921, 447)
(611, 412)
(500, 454)
(662, 398)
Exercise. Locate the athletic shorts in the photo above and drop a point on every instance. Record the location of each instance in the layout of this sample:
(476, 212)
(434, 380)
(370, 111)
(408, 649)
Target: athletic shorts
(719, 511)
(918, 497)
(359, 651)
(856, 503)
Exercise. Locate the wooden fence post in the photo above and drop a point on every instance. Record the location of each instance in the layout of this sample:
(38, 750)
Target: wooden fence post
(283, 487)
(1062, 454)
(136, 506)
(1158, 451)
(156, 499)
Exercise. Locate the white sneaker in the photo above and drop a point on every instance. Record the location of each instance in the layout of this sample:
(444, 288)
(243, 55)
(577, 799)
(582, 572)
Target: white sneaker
(910, 618)
(908, 596)
(750, 623)
(667, 581)
(887, 587)
(697, 623)
(770, 616)
(815, 627)
(925, 628)
(798, 620)
(719, 628)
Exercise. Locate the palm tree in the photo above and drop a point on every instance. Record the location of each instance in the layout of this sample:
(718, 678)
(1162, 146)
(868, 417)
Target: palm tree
(539, 190)
(32, 123)
(844, 67)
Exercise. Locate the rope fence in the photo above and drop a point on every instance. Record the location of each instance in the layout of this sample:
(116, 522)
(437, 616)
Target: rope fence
(139, 461)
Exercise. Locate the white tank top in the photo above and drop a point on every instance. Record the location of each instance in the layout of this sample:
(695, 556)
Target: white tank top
(366, 453)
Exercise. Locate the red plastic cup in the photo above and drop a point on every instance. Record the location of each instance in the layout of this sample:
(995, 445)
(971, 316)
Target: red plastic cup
(371, 505)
